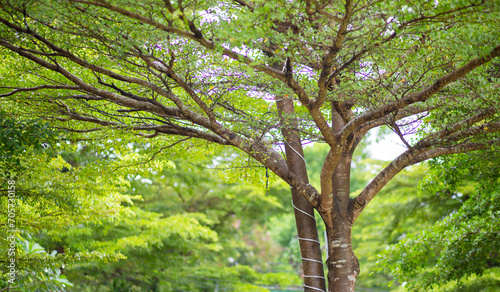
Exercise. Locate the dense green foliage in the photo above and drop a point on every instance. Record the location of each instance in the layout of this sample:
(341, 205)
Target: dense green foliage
(43, 193)
(185, 229)
(170, 228)
(18, 136)
(465, 241)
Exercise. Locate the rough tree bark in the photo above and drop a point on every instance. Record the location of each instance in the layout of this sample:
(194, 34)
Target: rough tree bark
(343, 266)
(310, 248)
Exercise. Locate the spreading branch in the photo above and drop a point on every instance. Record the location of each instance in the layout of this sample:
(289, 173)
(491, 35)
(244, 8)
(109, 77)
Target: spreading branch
(420, 96)
(40, 87)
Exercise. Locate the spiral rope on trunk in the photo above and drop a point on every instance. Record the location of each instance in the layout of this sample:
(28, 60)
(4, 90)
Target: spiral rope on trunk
(312, 240)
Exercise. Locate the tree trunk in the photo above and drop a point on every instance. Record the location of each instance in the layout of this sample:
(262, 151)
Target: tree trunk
(337, 213)
(310, 248)
(343, 266)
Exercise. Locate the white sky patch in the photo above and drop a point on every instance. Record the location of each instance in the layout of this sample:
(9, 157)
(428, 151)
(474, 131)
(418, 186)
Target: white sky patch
(146, 180)
(388, 147)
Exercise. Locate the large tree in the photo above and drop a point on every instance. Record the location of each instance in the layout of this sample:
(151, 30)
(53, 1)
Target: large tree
(261, 75)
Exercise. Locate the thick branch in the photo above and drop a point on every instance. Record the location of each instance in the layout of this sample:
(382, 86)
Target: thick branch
(418, 96)
(406, 159)
(334, 154)
(329, 165)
